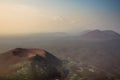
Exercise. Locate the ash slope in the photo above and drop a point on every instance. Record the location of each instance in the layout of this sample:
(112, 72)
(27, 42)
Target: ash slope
(30, 64)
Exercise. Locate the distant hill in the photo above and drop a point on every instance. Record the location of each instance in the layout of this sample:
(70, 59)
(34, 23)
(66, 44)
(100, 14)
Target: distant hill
(30, 64)
(100, 35)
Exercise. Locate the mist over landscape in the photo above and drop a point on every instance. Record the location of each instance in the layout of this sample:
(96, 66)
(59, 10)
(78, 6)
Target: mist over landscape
(59, 40)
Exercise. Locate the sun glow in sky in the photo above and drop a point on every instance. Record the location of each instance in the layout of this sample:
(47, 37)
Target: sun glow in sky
(36, 16)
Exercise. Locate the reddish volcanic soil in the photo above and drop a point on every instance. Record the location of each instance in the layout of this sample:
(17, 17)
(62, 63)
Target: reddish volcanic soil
(17, 55)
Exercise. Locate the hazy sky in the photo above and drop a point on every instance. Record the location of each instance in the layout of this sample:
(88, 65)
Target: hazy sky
(35, 16)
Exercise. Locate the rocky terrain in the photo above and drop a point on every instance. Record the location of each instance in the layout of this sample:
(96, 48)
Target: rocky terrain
(94, 55)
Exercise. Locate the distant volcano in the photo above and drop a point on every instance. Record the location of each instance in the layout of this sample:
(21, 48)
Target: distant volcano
(100, 35)
(31, 64)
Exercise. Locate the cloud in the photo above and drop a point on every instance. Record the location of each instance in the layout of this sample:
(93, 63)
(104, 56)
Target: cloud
(17, 18)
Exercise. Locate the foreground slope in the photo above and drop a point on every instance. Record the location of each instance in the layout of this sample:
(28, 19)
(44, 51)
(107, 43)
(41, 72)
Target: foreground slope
(31, 64)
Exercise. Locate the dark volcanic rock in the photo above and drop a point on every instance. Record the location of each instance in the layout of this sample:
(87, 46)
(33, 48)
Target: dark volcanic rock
(31, 64)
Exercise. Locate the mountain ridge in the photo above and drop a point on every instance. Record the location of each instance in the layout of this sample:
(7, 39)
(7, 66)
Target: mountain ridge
(99, 35)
